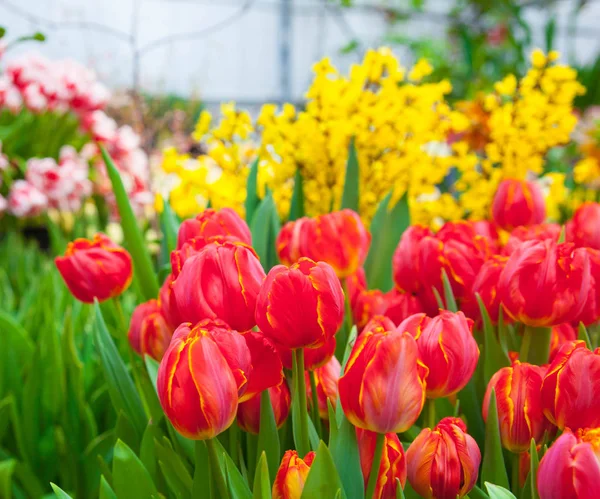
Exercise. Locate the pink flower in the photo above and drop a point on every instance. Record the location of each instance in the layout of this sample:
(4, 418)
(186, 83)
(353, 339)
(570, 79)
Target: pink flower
(25, 200)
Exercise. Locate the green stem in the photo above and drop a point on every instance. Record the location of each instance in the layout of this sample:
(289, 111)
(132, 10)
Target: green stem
(431, 413)
(303, 444)
(234, 435)
(375, 466)
(316, 417)
(535, 347)
(215, 468)
(515, 486)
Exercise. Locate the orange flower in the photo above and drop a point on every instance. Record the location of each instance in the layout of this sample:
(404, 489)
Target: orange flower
(148, 330)
(571, 467)
(291, 475)
(544, 283)
(519, 402)
(571, 388)
(448, 349)
(583, 228)
(486, 284)
(96, 268)
(383, 386)
(225, 225)
(301, 306)
(518, 202)
(443, 463)
(392, 467)
(248, 414)
(326, 380)
(405, 262)
(221, 281)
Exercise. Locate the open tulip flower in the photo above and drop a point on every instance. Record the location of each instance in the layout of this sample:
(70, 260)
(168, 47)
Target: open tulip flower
(211, 225)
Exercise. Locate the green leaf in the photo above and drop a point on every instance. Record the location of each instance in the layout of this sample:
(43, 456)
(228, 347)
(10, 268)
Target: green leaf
(351, 180)
(471, 408)
(237, 482)
(170, 226)
(387, 226)
(7, 468)
(57, 491)
(448, 293)
(262, 483)
(498, 492)
(268, 437)
(121, 388)
(175, 469)
(252, 200)
(477, 493)
(297, 205)
(152, 368)
(530, 489)
(399, 491)
(493, 468)
(323, 479)
(582, 334)
(264, 228)
(126, 432)
(134, 238)
(550, 33)
(493, 356)
(130, 478)
(106, 491)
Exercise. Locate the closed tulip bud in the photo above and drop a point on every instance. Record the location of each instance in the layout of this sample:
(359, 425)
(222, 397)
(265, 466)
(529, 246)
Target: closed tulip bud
(584, 226)
(448, 349)
(405, 262)
(486, 285)
(225, 225)
(518, 202)
(414, 324)
(399, 306)
(196, 387)
(148, 330)
(379, 324)
(367, 304)
(571, 387)
(488, 230)
(570, 468)
(220, 282)
(443, 463)
(544, 283)
(301, 306)
(326, 381)
(313, 357)
(392, 467)
(383, 385)
(591, 310)
(561, 334)
(168, 304)
(540, 232)
(292, 240)
(96, 268)
(248, 414)
(291, 475)
(267, 370)
(519, 405)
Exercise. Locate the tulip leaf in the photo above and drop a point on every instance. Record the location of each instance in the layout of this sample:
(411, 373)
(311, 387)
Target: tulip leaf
(262, 483)
(234, 478)
(121, 388)
(471, 408)
(350, 196)
(498, 492)
(152, 368)
(399, 491)
(477, 493)
(493, 355)
(503, 332)
(323, 479)
(201, 470)
(265, 226)
(252, 199)
(349, 345)
(169, 224)
(530, 489)
(448, 293)
(60, 493)
(409, 492)
(297, 204)
(582, 334)
(130, 478)
(268, 438)
(144, 270)
(174, 468)
(493, 468)
(106, 491)
(387, 227)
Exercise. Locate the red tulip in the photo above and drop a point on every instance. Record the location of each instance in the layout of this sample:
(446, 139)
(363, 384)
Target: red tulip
(148, 330)
(326, 381)
(383, 386)
(399, 306)
(292, 241)
(392, 467)
(267, 370)
(96, 268)
(540, 232)
(443, 463)
(224, 224)
(248, 414)
(379, 324)
(450, 352)
(291, 475)
(488, 230)
(518, 202)
(222, 281)
(301, 306)
(584, 226)
(406, 260)
(571, 467)
(486, 285)
(561, 334)
(571, 388)
(414, 324)
(591, 310)
(519, 405)
(313, 357)
(544, 283)
(355, 283)
(168, 304)
(366, 305)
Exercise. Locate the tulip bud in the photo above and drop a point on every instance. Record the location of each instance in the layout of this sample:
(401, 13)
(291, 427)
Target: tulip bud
(379, 324)
(544, 283)
(367, 304)
(584, 226)
(168, 304)
(414, 324)
(196, 387)
(300, 306)
(571, 388)
(486, 285)
(519, 405)
(248, 414)
(571, 467)
(148, 330)
(291, 475)
(392, 467)
(443, 463)
(383, 386)
(591, 310)
(541, 232)
(518, 202)
(222, 281)
(292, 240)
(313, 357)
(96, 268)
(326, 381)
(448, 349)
(267, 370)
(405, 262)
(225, 224)
(399, 306)
(561, 334)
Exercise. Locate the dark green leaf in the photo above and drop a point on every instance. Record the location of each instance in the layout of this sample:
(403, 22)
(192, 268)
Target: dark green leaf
(106, 491)
(264, 230)
(477, 493)
(493, 468)
(297, 205)
(170, 226)
(252, 200)
(323, 479)
(262, 483)
(268, 438)
(471, 408)
(584, 336)
(130, 478)
(493, 356)
(448, 293)
(57, 491)
(201, 470)
(7, 468)
(530, 489)
(175, 470)
(235, 478)
(498, 492)
(350, 196)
